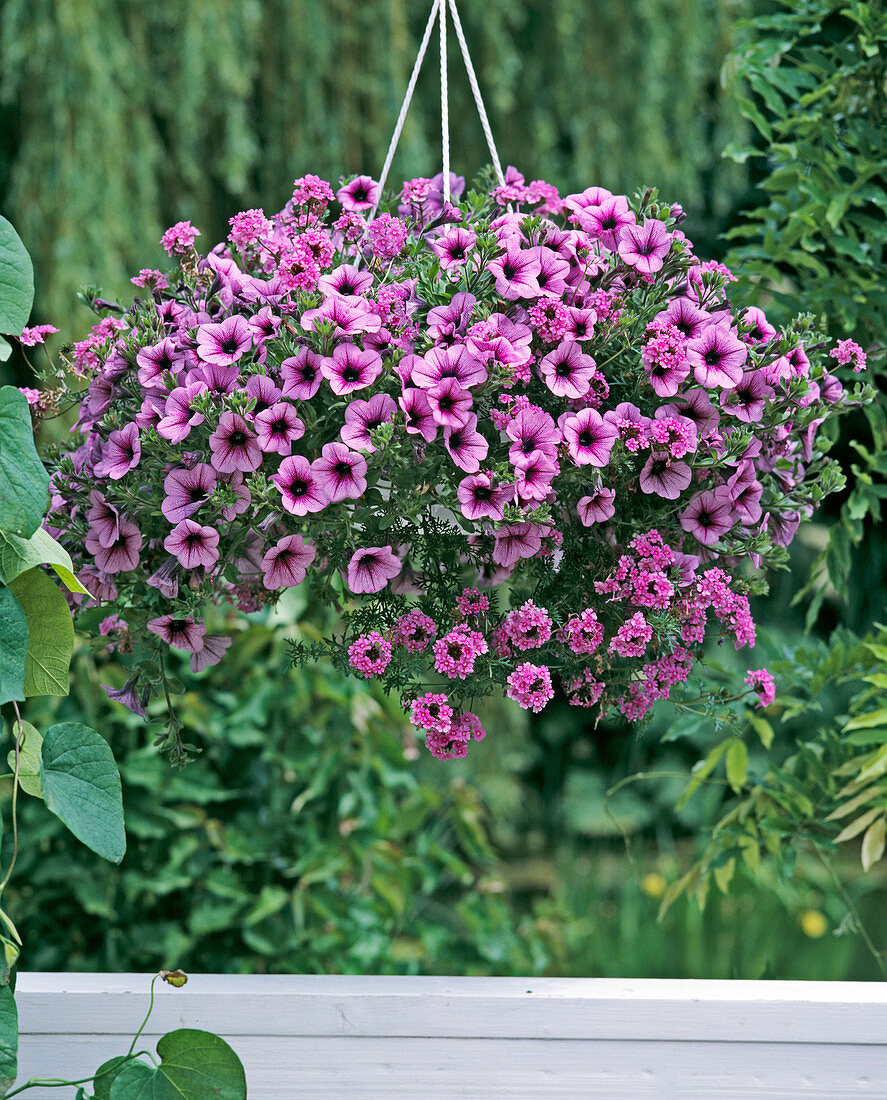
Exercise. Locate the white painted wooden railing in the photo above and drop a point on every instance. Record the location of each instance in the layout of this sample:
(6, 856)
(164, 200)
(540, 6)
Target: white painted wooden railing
(375, 1038)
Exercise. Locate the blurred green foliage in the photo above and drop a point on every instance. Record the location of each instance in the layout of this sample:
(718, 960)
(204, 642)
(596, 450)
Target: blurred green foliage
(149, 113)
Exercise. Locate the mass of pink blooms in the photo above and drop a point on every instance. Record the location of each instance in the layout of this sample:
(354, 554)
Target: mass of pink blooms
(527, 442)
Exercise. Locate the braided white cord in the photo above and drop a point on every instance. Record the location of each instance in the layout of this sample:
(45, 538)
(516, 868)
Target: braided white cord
(444, 106)
(404, 107)
(478, 99)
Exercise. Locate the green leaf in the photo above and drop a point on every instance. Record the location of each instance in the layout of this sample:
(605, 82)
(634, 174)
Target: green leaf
(16, 281)
(50, 633)
(5, 350)
(737, 765)
(856, 826)
(195, 1065)
(25, 481)
(869, 720)
(29, 757)
(18, 555)
(106, 1075)
(81, 786)
(13, 647)
(8, 1039)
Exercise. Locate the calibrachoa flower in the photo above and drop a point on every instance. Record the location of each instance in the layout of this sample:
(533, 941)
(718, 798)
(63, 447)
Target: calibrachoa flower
(404, 411)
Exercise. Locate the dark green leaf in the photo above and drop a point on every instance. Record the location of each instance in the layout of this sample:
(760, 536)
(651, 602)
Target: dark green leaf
(25, 481)
(106, 1075)
(8, 1038)
(81, 785)
(29, 757)
(16, 281)
(13, 647)
(195, 1065)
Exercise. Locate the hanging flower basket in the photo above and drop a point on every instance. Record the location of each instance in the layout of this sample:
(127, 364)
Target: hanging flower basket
(518, 440)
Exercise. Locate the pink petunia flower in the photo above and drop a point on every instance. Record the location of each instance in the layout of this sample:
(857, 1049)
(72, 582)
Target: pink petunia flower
(346, 280)
(419, 417)
(362, 193)
(516, 273)
(120, 555)
(286, 563)
(644, 247)
(597, 508)
(103, 520)
(480, 499)
(663, 477)
(350, 369)
(225, 343)
(516, 541)
(179, 415)
(121, 453)
(449, 403)
(708, 516)
(340, 473)
(370, 569)
(589, 438)
(187, 491)
(466, 446)
(299, 486)
(567, 370)
(234, 445)
(154, 360)
(301, 375)
(717, 357)
(181, 632)
(193, 545)
(361, 417)
(277, 428)
(453, 247)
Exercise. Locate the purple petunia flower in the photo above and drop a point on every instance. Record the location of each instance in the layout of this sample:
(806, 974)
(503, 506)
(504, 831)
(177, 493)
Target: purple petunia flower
(286, 564)
(533, 478)
(299, 486)
(234, 445)
(213, 650)
(553, 271)
(644, 247)
(224, 343)
(179, 417)
(453, 246)
(481, 499)
(589, 438)
(348, 317)
(361, 417)
(371, 569)
(128, 696)
(277, 428)
(350, 369)
(567, 370)
(531, 430)
(347, 280)
(708, 516)
(157, 359)
(466, 446)
(598, 507)
(360, 194)
(121, 453)
(516, 273)
(686, 316)
(447, 324)
(449, 403)
(103, 520)
(340, 473)
(664, 477)
(451, 362)
(746, 400)
(606, 220)
(182, 633)
(193, 545)
(121, 555)
(419, 418)
(187, 491)
(717, 357)
(263, 392)
(519, 540)
(301, 375)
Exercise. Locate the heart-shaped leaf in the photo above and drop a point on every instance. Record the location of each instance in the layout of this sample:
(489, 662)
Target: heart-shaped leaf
(81, 785)
(25, 482)
(16, 281)
(106, 1075)
(50, 633)
(195, 1065)
(8, 1039)
(5, 350)
(18, 555)
(13, 647)
(29, 757)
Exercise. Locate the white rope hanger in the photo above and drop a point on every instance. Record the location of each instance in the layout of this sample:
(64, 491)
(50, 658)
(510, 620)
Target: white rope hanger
(439, 12)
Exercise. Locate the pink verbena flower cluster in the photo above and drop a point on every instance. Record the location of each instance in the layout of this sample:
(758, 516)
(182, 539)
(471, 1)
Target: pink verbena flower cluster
(526, 442)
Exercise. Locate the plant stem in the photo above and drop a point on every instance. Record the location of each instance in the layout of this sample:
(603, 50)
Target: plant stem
(854, 911)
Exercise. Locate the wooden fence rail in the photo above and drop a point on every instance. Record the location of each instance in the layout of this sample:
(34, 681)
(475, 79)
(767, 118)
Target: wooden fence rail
(332, 1037)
